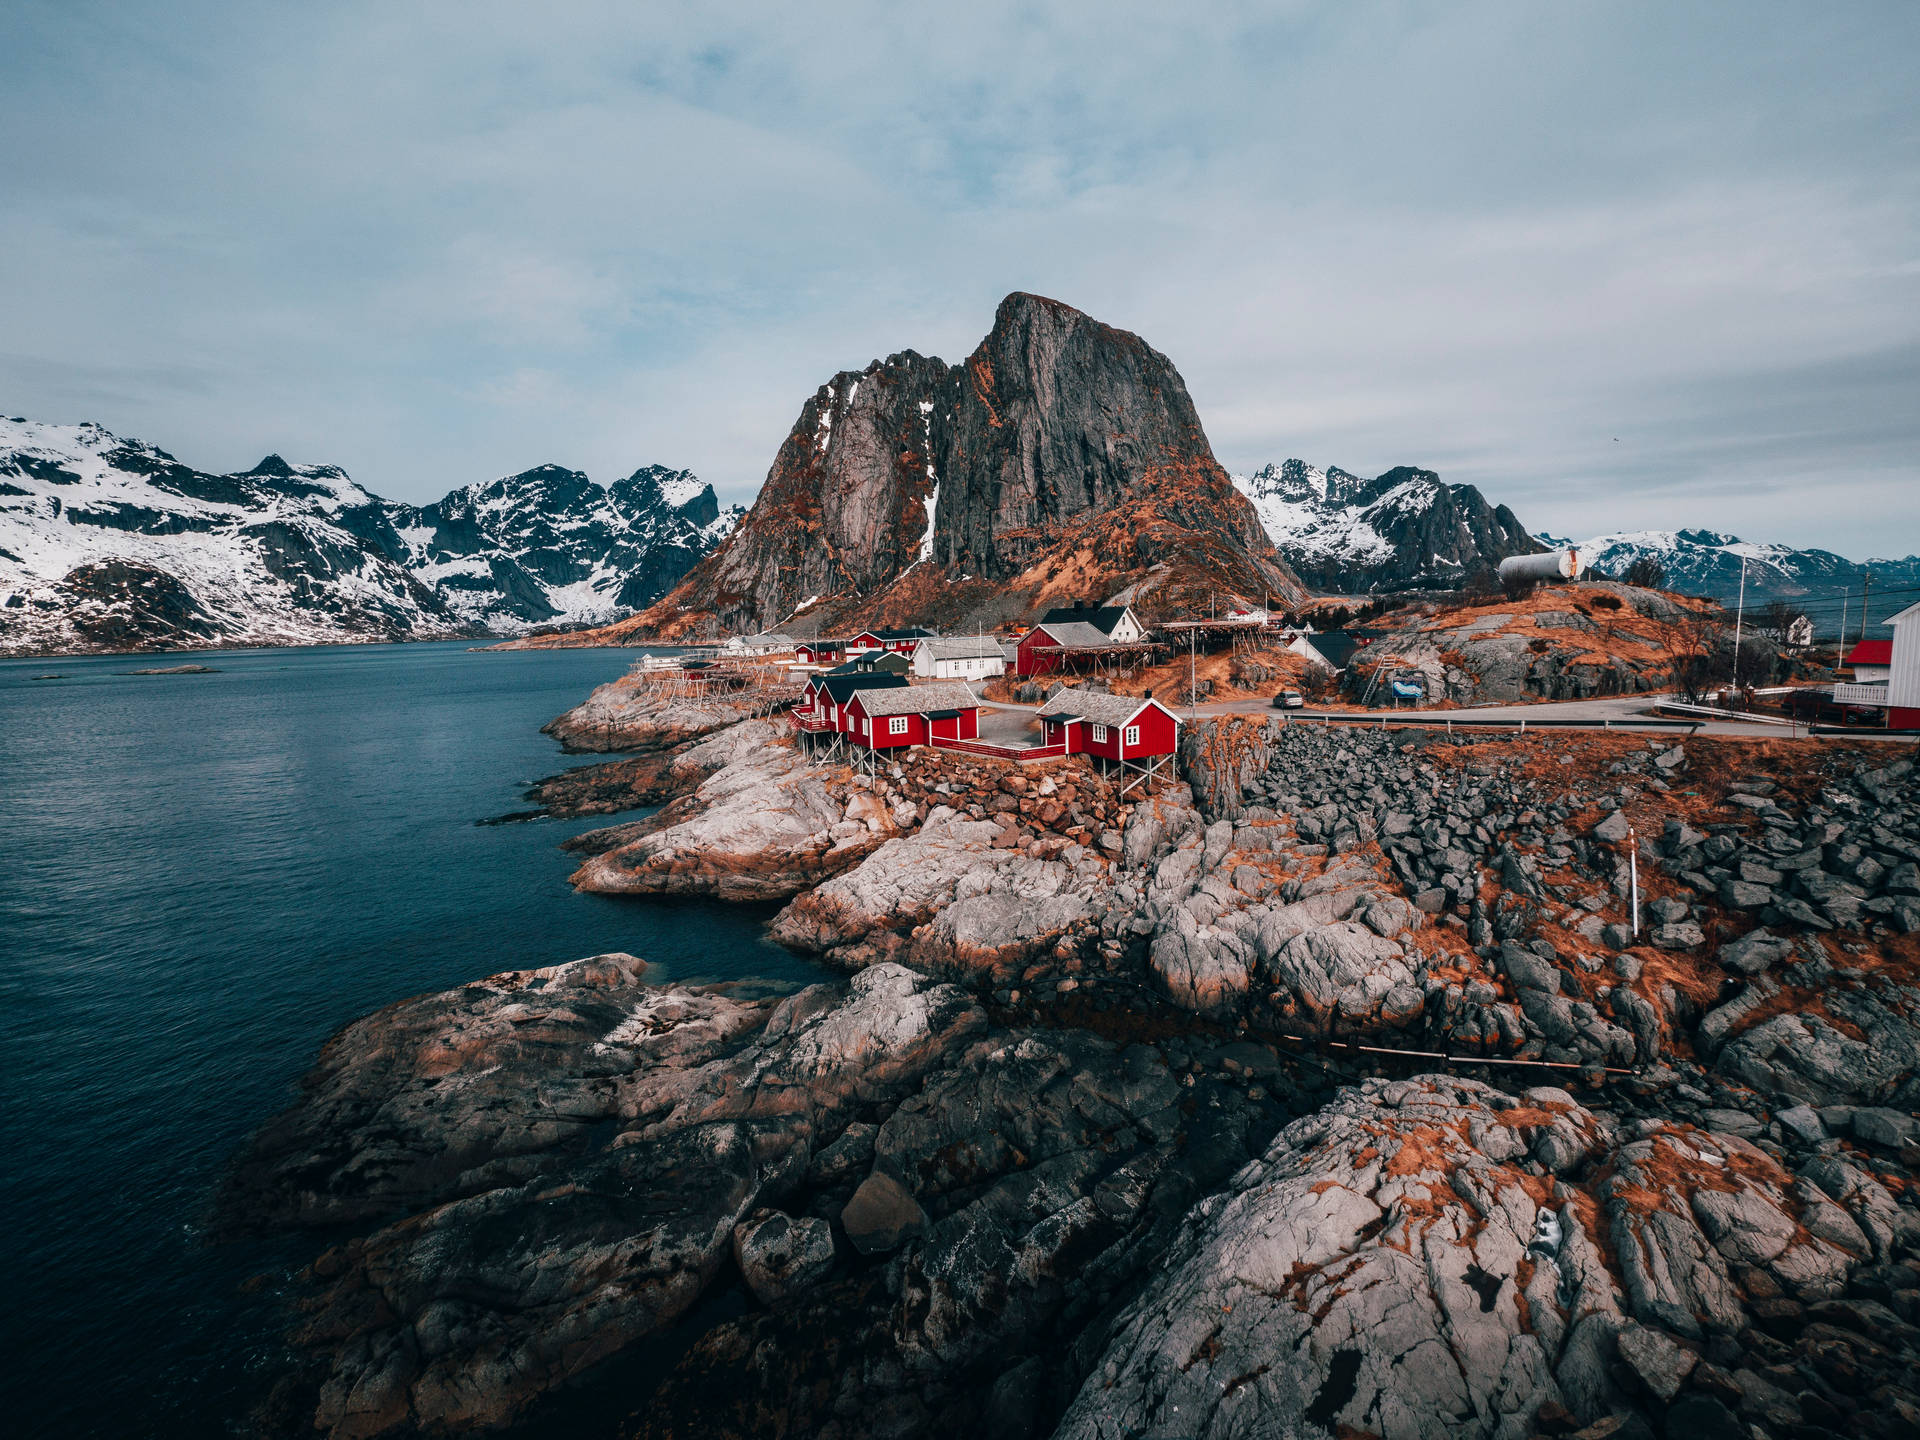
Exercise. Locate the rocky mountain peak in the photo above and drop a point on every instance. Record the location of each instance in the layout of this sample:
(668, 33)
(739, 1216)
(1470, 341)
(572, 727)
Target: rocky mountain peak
(1011, 467)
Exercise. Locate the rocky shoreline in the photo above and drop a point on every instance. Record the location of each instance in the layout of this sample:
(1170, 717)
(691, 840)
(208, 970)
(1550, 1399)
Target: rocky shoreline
(1328, 1090)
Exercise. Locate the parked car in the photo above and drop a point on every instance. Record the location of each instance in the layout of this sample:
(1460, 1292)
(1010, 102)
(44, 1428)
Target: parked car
(1288, 700)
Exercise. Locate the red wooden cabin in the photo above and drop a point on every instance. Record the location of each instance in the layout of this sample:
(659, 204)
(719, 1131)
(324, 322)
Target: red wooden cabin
(900, 642)
(1138, 735)
(891, 719)
(820, 652)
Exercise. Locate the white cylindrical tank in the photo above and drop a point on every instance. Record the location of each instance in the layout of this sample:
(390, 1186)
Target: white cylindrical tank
(1553, 565)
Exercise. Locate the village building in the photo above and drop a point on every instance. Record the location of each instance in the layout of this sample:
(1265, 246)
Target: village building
(1335, 647)
(1117, 622)
(770, 643)
(872, 662)
(1083, 637)
(1886, 673)
(959, 657)
(1903, 679)
(821, 710)
(1136, 735)
(891, 719)
(820, 652)
(899, 641)
(1872, 661)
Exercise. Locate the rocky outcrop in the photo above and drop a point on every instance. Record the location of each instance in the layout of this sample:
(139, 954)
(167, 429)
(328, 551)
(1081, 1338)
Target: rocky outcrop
(1563, 643)
(468, 1090)
(650, 778)
(634, 713)
(583, 1203)
(1433, 1256)
(763, 827)
(1062, 458)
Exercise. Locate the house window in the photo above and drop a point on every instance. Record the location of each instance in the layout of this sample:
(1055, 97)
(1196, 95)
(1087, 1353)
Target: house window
(897, 725)
(1099, 734)
(1130, 736)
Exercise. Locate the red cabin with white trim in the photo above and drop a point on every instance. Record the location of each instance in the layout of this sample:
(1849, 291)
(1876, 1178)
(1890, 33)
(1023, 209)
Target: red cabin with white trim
(892, 719)
(1112, 727)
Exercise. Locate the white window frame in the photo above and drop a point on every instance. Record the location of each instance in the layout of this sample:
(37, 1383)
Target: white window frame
(1130, 735)
(1099, 736)
(897, 725)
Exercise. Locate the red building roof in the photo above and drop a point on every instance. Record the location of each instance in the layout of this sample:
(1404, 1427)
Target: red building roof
(1871, 652)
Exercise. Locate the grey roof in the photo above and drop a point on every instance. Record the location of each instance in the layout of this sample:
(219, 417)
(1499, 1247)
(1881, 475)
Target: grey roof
(1078, 634)
(962, 647)
(1097, 706)
(919, 699)
(1102, 617)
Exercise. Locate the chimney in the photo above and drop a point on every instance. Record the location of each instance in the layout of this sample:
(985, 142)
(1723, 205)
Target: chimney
(1146, 694)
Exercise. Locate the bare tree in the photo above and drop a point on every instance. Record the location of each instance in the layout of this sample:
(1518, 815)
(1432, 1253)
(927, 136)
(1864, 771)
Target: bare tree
(1647, 573)
(1698, 645)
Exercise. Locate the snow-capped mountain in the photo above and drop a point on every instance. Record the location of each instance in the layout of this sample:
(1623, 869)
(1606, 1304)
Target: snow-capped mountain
(1398, 531)
(1707, 562)
(548, 546)
(112, 544)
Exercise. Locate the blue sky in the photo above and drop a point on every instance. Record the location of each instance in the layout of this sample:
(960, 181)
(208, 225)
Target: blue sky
(436, 243)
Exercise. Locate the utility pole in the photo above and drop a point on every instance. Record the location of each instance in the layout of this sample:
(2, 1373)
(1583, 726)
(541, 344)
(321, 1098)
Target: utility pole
(1633, 871)
(1840, 645)
(1193, 683)
(1866, 600)
(1739, 617)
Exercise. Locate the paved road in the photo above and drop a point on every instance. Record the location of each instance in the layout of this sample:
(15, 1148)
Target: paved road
(1630, 707)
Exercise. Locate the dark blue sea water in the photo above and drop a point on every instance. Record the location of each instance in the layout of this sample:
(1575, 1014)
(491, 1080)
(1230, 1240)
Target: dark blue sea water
(201, 877)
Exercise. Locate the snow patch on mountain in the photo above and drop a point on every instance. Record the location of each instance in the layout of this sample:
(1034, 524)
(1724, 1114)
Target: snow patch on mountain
(1400, 530)
(1817, 583)
(107, 543)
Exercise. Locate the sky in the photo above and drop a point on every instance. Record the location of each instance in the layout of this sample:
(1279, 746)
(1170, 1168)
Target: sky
(1620, 265)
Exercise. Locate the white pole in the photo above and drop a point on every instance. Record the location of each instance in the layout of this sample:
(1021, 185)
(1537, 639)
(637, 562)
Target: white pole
(1840, 649)
(1633, 873)
(1739, 616)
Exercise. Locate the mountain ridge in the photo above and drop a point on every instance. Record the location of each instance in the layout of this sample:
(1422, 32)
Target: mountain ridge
(1819, 583)
(109, 543)
(1403, 529)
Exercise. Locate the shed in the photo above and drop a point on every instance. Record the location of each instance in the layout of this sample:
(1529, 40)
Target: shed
(1137, 734)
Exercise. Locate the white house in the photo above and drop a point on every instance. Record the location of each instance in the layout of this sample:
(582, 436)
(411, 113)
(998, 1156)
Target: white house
(768, 644)
(959, 657)
(1903, 679)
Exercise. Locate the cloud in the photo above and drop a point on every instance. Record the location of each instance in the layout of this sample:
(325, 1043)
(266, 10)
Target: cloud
(440, 243)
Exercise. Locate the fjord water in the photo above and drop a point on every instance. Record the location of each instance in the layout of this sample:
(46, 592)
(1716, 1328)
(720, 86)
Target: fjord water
(201, 878)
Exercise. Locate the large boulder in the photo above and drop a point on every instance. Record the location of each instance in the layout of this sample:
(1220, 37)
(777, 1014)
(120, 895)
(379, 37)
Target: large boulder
(762, 828)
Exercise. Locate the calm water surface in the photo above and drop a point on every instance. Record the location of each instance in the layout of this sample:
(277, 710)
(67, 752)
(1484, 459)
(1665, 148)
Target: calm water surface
(202, 877)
